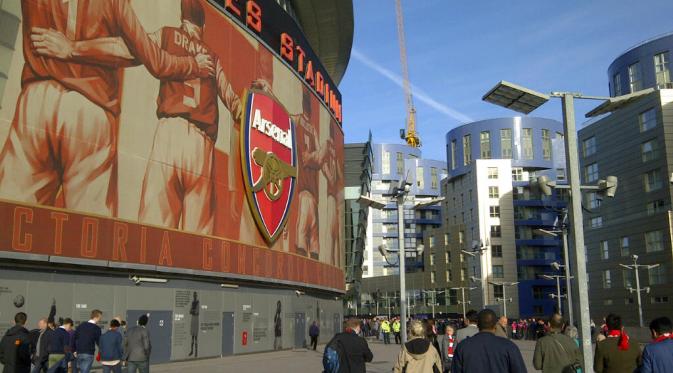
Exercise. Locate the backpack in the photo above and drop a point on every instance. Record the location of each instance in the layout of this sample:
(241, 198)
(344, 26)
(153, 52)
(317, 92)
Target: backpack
(334, 356)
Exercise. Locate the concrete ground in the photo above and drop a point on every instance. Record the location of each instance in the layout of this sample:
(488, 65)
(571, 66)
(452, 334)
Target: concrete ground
(303, 361)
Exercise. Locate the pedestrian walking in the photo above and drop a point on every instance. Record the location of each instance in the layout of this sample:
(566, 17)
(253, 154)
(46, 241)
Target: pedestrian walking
(111, 349)
(501, 328)
(484, 352)
(616, 354)
(59, 349)
(556, 352)
(39, 340)
(138, 347)
(15, 347)
(470, 329)
(86, 338)
(385, 328)
(447, 345)
(352, 350)
(418, 355)
(515, 327)
(396, 330)
(314, 333)
(658, 355)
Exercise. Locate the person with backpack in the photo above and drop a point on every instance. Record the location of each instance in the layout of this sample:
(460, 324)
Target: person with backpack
(556, 352)
(15, 347)
(347, 352)
(418, 355)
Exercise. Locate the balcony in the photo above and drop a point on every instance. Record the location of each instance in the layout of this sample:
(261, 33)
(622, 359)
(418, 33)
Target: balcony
(539, 203)
(538, 242)
(534, 222)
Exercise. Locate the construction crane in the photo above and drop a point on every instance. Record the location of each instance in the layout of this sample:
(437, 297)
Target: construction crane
(410, 134)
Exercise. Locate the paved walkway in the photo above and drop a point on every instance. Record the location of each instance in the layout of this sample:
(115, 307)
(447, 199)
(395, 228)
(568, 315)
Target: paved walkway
(302, 361)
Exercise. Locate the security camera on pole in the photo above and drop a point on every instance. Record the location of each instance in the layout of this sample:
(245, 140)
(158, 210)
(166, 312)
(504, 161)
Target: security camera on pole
(478, 249)
(463, 301)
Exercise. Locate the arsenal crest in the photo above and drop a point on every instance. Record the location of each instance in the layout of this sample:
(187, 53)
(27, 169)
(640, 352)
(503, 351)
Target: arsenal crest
(269, 162)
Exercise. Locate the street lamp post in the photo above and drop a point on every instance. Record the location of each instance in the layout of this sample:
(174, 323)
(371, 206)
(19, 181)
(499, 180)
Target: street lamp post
(434, 298)
(635, 266)
(504, 294)
(558, 289)
(463, 302)
(479, 248)
(399, 194)
(525, 100)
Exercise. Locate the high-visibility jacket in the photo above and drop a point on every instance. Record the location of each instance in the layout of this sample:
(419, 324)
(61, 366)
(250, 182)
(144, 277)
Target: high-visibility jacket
(385, 326)
(396, 326)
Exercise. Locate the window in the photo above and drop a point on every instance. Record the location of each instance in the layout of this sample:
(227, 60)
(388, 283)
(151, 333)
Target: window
(654, 207)
(498, 271)
(649, 150)
(597, 222)
(496, 251)
(659, 299)
(654, 241)
(432, 277)
(434, 178)
(517, 174)
(589, 146)
(635, 81)
(492, 172)
(462, 274)
(467, 150)
(506, 143)
(647, 120)
(607, 302)
(627, 274)
(448, 275)
(661, 70)
(485, 145)
(447, 257)
(431, 241)
(400, 163)
(605, 251)
(657, 275)
(446, 239)
(385, 163)
(653, 180)
(560, 174)
(546, 145)
(629, 301)
(624, 246)
(453, 154)
(607, 281)
(420, 178)
(495, 231)
(591, 173)
(493, 192)
(617, 84)
(593, 201)
(498, 291)
(539, 293)
(527, 142)
(432, 259)
(461, 237)
(494, 211)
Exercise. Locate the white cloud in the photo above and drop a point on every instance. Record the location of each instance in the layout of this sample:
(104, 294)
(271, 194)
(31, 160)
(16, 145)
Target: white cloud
(418, 93)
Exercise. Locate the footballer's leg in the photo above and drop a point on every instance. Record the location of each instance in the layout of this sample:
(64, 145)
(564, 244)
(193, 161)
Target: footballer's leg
(88, 140)
(162, 193)
(198, 206)
(29, 171)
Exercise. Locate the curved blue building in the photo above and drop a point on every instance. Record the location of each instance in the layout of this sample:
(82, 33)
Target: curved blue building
(647, 65)
(492, 206)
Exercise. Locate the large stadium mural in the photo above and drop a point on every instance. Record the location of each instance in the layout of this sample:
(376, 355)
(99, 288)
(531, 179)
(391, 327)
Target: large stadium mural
(181, 134)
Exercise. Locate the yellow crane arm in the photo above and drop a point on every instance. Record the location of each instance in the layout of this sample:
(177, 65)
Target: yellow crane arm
(411, 136)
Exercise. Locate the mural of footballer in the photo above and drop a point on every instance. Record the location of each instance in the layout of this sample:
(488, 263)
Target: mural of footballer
(63, 137)
(177, 189)
(311, 156)
(334, 175)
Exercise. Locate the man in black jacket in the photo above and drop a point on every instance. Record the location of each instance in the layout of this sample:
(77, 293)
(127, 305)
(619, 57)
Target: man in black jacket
(355, 348)
(15, 347)
(484, 352)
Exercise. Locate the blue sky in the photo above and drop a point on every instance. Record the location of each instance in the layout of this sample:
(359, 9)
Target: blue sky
(458, 50)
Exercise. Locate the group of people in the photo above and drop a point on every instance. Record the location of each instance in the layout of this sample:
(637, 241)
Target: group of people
(484, 345)
(60, 347)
